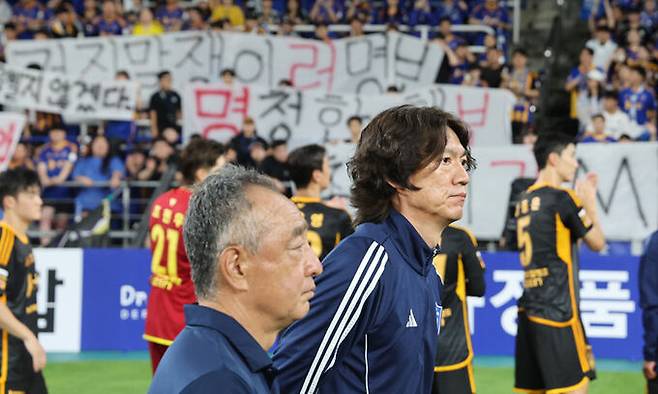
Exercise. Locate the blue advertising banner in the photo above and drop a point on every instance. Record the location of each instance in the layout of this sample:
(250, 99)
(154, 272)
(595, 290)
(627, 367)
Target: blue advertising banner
(114, 298)
(115, 291)
(609, 305)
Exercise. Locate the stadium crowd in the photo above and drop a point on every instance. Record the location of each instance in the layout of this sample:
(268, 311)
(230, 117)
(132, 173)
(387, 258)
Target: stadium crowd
(611, 87)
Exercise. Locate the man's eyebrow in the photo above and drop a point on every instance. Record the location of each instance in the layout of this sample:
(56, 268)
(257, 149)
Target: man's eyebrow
(455, 152)
(299, 230)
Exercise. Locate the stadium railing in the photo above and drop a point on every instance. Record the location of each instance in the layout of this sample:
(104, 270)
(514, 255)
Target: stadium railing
(125, 217)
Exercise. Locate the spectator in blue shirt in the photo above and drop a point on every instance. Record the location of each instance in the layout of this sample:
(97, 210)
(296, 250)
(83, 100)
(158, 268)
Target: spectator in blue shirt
(493, 15)
(648, 276)
(446, 34)
(361, 9)
(28, 18)
(422, 14)
(253, 271)
(392, 12)
(640, 105)
(327, 12)
(90, 17)
(170, 15)
(455, 10)
(110, 23)
(54, 166)
(120, 131)
(649, 15)
(99, 166)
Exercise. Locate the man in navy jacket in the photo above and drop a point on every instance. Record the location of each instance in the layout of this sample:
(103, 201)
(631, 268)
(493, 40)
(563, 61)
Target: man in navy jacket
(649, 302)
(374, 322)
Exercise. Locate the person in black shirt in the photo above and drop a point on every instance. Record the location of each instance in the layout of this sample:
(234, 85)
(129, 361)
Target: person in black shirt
(462, 270)
(242, 142)
(22, 357)
(165, 106)
(276, 165)
(309, 169)
(492, 69)
(552, 353)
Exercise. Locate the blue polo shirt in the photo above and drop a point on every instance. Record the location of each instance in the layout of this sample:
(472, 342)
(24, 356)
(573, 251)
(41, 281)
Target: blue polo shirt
(213, 354)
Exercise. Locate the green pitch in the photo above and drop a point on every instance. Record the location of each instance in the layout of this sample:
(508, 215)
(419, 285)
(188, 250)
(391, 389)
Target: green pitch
(127, 376)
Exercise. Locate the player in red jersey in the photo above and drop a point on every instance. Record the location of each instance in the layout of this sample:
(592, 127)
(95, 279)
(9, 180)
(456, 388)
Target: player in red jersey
(171, 282)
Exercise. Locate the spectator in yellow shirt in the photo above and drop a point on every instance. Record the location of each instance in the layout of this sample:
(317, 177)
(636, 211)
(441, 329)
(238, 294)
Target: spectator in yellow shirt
(227, 10)
(147, 26)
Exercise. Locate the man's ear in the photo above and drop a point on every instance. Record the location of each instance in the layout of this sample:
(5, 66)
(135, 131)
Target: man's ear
(552, 158)
(316, 176)
(233, 266)
(395, 186)
(8, 202)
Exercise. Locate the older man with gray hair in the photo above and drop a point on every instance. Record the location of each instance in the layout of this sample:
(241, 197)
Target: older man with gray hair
(253, 273)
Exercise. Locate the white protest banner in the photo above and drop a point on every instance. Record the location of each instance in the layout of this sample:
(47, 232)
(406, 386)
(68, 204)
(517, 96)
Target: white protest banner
(67, 95)
(216, 111)
(353, 65)
(11, 127)
(628, 186)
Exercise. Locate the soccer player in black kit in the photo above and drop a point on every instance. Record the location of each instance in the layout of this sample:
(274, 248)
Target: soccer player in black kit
(552, 353)
(462, 271)
(327, 226)
(21, 355)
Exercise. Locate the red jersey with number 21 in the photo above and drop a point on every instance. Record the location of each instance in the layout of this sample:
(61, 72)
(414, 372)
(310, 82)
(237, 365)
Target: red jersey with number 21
(171, 281)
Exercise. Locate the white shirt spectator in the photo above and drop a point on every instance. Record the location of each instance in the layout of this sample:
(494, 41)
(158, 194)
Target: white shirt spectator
(616, 124)
(603, 52)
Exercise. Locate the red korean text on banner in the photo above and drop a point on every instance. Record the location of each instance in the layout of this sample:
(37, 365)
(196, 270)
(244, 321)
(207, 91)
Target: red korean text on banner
(221, 111)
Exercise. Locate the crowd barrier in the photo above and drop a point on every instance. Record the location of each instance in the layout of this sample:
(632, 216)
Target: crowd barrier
(95, 299)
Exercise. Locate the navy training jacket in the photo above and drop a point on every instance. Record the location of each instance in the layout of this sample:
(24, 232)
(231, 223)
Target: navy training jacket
(374, 322)
(648, 276)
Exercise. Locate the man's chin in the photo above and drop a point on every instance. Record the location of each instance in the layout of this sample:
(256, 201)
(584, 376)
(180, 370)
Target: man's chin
(455, 214)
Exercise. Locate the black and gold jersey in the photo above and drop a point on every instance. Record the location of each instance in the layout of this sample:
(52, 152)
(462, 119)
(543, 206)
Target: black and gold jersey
(550, 220)
(327, 226)
(18, 290)
(462, 270)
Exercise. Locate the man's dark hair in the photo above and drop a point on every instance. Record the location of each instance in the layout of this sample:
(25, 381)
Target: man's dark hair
(550, 143)
(163, 74)
(393, 146)
(303, 161)
(199, 153)
(520, 51)
(611, 94)
(217, 24)
(588, 50)
(640, 70)
(354, 117)
(445, 19)
(16, 181)
(228, 71)
(122, 73)
(277, 143)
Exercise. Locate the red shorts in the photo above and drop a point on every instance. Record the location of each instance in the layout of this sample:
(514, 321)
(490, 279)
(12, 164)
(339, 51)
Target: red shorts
(157, 351)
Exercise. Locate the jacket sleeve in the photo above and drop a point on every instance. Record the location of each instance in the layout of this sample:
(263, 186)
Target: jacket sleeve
(649, 297)
(311, 349)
